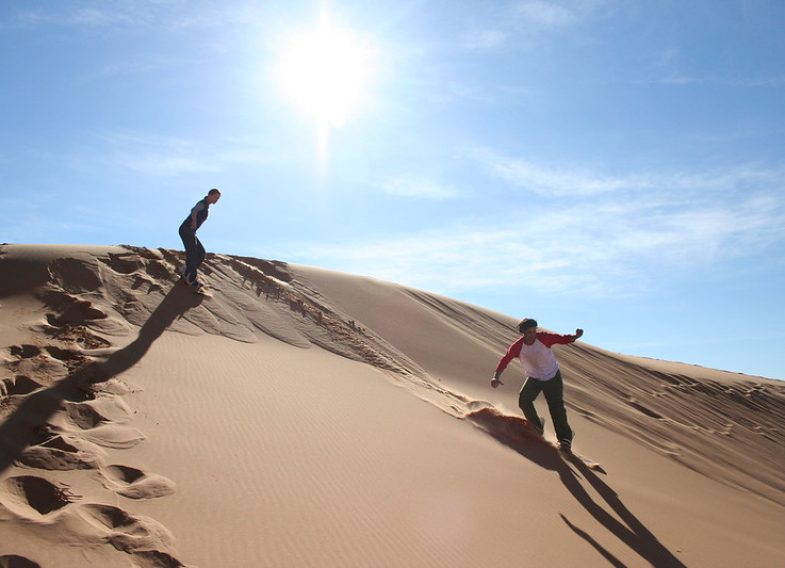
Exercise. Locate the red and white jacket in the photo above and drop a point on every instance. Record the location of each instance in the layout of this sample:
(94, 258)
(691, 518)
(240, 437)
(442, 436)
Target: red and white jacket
(537, 359)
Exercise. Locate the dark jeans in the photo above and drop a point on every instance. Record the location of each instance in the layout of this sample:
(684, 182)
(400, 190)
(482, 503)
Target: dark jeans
(554, 395)
(194, 252)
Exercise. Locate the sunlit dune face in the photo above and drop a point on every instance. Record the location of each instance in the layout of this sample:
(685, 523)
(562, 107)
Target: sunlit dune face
(326, 73)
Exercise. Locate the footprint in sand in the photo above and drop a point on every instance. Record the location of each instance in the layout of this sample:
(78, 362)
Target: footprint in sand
(61, 453)
(47, 364)
(24, 351)
(75, 275)
(114, 436)
(144, 271)
(74, 334)
(84, 415)
(123, 263)
(73, 312)
(92, 424)
(33, 361)
(645, 410)
(70, 358)
(155, 559)
(136, 484)
(124, 531)
(34, 498)
(14, 561)
(111, 407)
(18, 385)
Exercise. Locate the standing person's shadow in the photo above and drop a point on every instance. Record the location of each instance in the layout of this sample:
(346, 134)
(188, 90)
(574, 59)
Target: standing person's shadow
(25, 425)
(630, 530)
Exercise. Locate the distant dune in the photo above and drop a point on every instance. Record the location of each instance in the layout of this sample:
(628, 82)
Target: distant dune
(303, 417)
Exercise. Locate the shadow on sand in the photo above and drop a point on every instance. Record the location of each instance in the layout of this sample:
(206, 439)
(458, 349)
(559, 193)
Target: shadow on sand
(513, 433)
(27, 425)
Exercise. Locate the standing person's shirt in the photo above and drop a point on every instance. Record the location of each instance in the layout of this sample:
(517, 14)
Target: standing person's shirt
(202, 210)
(537, 359)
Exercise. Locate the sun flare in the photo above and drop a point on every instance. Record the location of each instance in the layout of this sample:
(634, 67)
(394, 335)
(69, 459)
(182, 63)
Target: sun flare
(326, 73)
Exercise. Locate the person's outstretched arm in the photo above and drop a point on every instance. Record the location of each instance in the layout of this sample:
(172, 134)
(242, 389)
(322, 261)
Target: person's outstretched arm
(550, 339)
(513, 352)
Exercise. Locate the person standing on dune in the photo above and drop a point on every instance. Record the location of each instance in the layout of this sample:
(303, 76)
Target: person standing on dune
(542, 373)
(194, 251)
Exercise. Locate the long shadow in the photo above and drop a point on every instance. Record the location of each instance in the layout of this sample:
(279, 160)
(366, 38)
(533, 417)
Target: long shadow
(26, 426)
(631, 531)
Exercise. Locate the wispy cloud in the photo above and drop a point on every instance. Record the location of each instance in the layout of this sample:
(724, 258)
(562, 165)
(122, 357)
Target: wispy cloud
(161, 156)
(529, 19)
(482, 39)
(679, 79)
(135, 13)
(86, 16)
(545, 14)
(600, 247)
(553, 181)
(420, 189)
(145, 65)
(667, 67)
(567, 180)
(157, 155)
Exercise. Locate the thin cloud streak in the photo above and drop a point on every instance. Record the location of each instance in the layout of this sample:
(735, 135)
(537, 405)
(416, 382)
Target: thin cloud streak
(568, 181)
(153, 156)
(484, 39)
(549, 15)
(142, 13)
(600, 248)
(420, 189)
(551, 181)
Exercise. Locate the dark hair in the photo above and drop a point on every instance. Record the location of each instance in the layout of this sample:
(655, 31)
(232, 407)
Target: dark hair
(213, 191)
(526, 323)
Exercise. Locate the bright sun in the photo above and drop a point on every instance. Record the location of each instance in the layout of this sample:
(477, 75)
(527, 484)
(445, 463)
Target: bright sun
(326, 73)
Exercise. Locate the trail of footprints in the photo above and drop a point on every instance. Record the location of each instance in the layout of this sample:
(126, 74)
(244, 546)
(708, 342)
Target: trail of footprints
(88, 421)
(71, 416)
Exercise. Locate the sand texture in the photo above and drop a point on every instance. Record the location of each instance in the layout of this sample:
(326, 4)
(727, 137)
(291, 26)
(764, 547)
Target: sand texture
(302, 417)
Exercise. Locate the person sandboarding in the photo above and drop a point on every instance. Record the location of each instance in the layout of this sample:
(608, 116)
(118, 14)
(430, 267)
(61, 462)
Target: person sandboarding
(194, 251)
(542, 373)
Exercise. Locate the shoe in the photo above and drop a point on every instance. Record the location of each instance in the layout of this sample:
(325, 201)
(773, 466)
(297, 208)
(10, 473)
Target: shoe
(565, 444)
(190, 280)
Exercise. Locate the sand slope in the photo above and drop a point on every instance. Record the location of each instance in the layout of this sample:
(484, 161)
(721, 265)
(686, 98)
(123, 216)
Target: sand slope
(302, 417)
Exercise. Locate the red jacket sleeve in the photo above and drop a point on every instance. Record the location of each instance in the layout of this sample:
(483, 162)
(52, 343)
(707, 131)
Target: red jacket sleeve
(553, 338)
(513, 352)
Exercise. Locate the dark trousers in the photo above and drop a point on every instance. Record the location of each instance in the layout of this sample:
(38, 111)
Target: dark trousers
(194, 252)
(554, 395)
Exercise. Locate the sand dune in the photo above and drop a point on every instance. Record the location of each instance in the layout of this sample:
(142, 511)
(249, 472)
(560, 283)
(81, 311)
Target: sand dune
(302, 417)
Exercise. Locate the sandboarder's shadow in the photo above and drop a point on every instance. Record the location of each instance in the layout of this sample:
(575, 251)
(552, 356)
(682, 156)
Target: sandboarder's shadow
(27, 425)
(629, 530)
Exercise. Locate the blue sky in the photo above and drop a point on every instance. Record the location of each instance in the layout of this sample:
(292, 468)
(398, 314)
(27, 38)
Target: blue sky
(606, 164)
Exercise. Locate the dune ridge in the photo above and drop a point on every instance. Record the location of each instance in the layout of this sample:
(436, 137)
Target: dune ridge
(88, 318)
